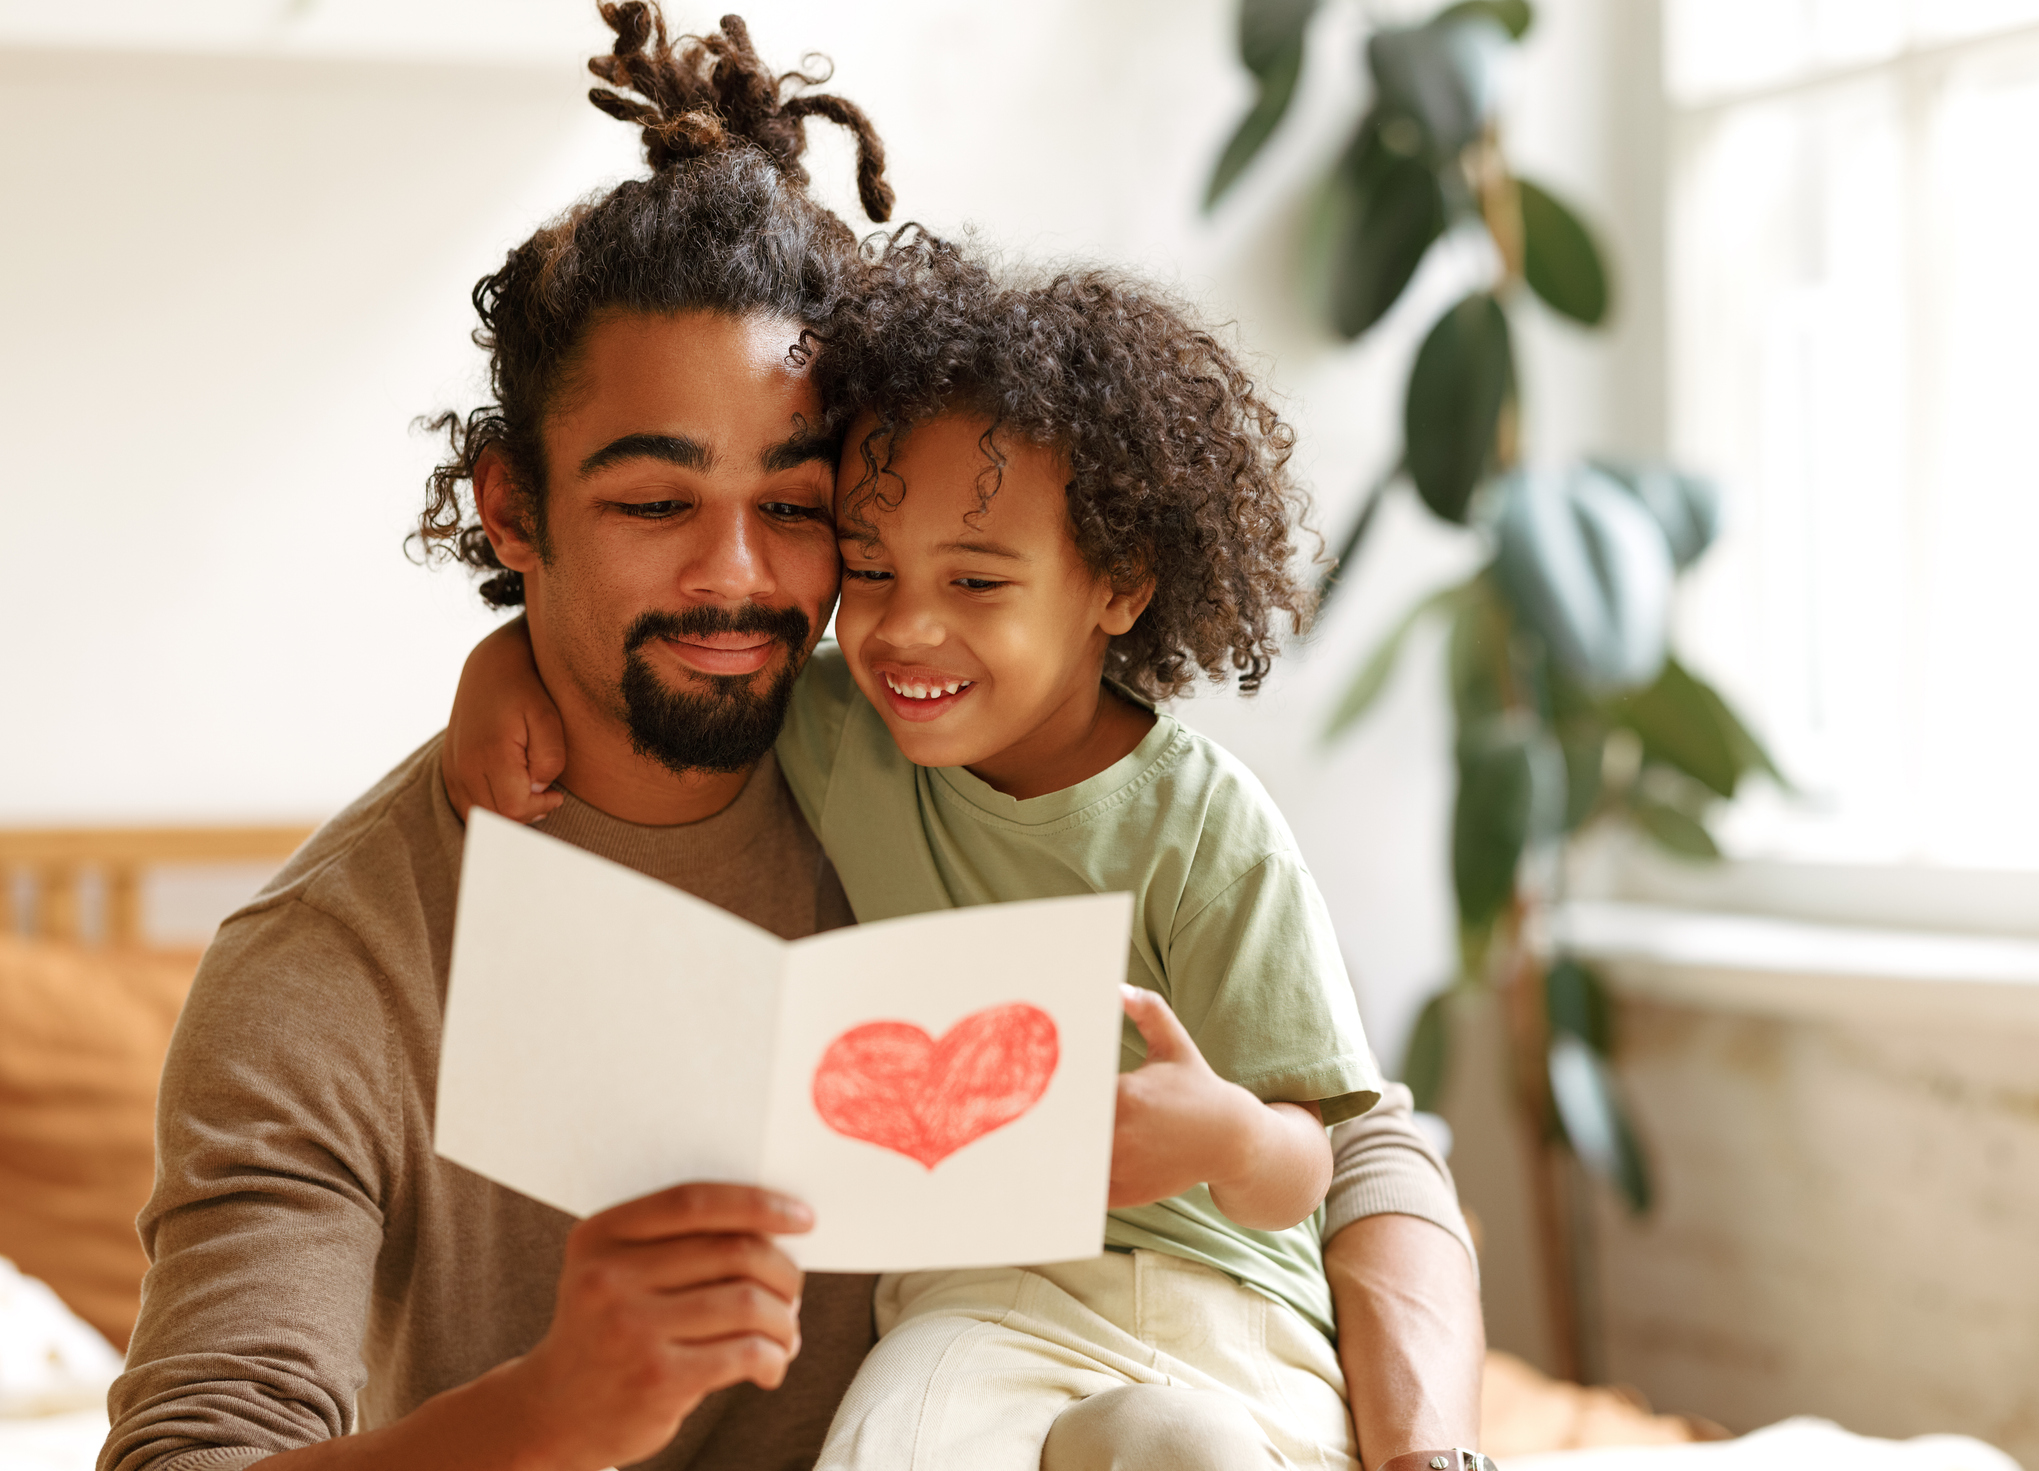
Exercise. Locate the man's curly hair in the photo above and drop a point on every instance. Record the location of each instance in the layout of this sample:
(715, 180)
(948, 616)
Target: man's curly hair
(1178, 464)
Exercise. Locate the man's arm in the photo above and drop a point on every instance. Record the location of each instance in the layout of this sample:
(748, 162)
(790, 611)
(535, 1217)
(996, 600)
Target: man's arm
(1406, 1288)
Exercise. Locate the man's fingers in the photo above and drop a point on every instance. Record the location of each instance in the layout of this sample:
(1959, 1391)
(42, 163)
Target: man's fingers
(701, 1208)
(729, 1361)
(727, 1310)
(685, 1262)
(1163, 1031)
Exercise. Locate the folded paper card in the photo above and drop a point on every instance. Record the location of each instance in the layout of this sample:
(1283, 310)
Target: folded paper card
(938, 1088)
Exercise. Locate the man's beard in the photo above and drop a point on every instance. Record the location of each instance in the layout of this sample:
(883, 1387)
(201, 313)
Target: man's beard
(726, 728)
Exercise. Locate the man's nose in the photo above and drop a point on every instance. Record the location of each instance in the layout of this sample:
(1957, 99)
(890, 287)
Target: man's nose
(728, 559)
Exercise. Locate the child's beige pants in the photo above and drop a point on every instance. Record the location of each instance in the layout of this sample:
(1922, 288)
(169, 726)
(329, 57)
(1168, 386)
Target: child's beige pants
(1132, 1360)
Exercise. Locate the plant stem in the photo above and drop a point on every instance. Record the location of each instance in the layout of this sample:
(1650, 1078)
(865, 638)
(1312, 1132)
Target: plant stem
(1530, 1034)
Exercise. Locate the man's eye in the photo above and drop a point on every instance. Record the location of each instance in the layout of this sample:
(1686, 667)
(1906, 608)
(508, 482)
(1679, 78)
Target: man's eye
(651, 510)
(789, 511)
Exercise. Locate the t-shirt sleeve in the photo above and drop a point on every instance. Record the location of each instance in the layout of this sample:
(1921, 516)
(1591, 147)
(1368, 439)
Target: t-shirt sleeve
(278, 1153)
(812, 734)
(1256, 977)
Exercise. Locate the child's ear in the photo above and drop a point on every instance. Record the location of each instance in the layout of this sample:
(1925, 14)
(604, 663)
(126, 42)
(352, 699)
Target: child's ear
(1123, 609)
(505, 513)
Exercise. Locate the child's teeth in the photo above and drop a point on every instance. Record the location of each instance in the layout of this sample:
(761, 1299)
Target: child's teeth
(926, 691)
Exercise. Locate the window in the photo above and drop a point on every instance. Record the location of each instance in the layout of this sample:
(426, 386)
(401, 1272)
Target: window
(1854, 328)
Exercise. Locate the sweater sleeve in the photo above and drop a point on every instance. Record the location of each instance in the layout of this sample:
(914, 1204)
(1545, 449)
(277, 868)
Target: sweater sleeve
(277, 1157)
(1382, 1165)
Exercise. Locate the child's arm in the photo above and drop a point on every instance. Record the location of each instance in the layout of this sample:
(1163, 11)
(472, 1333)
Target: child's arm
(1179, 1125)
(504, 744)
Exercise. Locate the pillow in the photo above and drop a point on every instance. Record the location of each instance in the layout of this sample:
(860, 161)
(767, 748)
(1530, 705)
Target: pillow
(82, 1038)
(51, 1362)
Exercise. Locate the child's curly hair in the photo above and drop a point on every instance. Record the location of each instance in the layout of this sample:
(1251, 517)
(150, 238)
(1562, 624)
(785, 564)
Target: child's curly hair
(1178, 465)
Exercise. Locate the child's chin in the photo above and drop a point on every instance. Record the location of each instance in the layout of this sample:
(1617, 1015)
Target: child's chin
(924, 746)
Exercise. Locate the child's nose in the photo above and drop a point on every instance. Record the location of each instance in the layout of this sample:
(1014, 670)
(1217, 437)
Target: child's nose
(910, 620)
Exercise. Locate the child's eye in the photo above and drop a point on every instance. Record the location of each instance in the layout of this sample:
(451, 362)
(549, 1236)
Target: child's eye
(866, 574)
(977, 584)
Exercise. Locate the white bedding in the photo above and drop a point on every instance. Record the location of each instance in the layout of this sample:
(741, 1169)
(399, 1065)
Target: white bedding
(54, 1370)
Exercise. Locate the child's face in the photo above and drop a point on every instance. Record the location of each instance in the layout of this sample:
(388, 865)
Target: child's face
(974, 632)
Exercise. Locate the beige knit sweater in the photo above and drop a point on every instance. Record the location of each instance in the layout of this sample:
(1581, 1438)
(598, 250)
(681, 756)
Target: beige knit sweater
(316, 1268)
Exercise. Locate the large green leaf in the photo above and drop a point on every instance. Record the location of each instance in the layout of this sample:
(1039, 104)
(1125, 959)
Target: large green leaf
(1559, 259)
(1586, 567)
(1428, 1059)
(1575, 1001)
(1489, 828)
(1685, 724)
(1510, 791)
(1673, 827)
(1271, 44)
(1595, 1122)
(1441, 77)
(1478, 656)
(1373, 675)
(1463, 376)
(1513, 14)
(1397, 216)
(1687, 507)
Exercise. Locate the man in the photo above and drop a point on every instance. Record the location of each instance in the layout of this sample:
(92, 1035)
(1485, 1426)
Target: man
(325, 1291)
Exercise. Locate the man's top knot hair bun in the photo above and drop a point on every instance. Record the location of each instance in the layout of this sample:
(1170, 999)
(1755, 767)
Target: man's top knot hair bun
(713, 93)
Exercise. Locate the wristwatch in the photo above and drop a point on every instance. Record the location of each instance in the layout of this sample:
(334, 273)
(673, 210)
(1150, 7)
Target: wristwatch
(1456, 1459)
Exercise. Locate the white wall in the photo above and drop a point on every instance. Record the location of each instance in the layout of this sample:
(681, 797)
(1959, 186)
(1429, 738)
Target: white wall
(237, 262)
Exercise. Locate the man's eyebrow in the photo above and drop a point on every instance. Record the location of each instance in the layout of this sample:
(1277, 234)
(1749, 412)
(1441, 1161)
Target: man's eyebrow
(984, 549)
(802, 449)
(674, 449)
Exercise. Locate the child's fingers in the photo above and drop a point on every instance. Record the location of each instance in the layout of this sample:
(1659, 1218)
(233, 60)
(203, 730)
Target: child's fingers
(1166, 1039)
(512, 797)
(544, 746)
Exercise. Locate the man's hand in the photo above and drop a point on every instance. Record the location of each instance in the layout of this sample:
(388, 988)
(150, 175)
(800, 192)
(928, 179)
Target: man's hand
(662, 1301)
(1180, 1125)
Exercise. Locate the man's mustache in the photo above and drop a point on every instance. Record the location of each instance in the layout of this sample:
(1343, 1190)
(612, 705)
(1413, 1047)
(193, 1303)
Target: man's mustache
(788, 626)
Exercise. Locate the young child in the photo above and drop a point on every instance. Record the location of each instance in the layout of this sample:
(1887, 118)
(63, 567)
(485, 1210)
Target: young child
(1058, 504)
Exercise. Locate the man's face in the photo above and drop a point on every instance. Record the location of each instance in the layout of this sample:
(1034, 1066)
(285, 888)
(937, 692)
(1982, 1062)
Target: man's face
(689, 558)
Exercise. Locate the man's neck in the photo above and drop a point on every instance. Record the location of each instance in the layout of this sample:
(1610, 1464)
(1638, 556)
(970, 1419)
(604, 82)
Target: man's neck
(605, 771)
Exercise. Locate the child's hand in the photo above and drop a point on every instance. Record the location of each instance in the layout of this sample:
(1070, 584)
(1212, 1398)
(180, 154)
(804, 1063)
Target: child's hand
(1180, 1125)
(504, 744)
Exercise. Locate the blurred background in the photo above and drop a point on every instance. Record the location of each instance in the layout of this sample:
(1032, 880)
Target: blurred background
(240, 237)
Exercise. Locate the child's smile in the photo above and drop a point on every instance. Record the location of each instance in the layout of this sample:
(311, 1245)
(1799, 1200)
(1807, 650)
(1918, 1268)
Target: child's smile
(917, 693)
(972, 624)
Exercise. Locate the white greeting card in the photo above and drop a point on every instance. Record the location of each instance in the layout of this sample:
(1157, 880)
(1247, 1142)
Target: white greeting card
(939, 1088)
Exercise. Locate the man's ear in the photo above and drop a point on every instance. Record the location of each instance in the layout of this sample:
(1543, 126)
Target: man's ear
(1123, 609)
(505, 513)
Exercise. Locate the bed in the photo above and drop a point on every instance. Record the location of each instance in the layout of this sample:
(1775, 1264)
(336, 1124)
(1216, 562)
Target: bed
(89, 993)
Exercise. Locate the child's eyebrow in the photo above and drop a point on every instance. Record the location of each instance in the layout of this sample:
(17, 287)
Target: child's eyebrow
(983, 549)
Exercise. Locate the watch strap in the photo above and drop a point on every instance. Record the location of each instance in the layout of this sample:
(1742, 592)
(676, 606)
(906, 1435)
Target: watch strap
(1455, 1459)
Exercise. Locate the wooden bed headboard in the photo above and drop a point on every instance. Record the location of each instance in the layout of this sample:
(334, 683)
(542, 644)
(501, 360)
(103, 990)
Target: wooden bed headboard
(56, 859)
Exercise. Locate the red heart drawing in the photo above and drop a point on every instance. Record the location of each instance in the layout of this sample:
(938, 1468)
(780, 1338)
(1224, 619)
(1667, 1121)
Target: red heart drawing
(890, 1084)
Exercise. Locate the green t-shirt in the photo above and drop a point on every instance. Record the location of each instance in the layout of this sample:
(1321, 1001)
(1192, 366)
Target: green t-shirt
(1227, 924)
